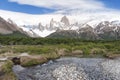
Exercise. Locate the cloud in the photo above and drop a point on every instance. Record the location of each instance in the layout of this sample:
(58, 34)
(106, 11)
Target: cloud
(32, 19)
(69, 6)
(81, 10)
(63, 4)
(28, 19)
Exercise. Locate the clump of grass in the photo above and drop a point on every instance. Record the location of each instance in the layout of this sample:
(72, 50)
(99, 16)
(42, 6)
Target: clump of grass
(97, 52)
(7, 71)
(32, 62)
(5, 49)
(51, 56)
(7, 67)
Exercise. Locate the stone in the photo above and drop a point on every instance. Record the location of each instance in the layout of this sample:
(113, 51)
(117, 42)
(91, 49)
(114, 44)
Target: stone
(77, 52)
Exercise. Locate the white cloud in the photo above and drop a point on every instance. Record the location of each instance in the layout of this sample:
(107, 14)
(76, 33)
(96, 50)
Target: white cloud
(63, 4)
(69, 6)
(28, 19)
(81, 10)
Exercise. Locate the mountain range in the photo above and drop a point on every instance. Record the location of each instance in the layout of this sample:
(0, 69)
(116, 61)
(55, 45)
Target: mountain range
(65, 27)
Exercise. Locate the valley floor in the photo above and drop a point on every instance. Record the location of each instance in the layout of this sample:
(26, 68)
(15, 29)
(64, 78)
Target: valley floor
(31, 55)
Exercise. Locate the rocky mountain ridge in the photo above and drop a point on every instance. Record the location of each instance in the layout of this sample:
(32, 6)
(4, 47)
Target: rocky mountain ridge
(63, 28)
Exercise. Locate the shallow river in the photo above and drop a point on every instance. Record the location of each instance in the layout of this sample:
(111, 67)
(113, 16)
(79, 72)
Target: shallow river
(72, 69)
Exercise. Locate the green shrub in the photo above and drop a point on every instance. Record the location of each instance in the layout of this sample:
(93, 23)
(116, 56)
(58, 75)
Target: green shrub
(7, 67)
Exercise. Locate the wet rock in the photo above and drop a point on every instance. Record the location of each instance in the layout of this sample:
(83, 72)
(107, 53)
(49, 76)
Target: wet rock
(16, 60)
(18, 68)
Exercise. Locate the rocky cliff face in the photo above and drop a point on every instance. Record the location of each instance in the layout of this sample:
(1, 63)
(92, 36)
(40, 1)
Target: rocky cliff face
(65, 21)
(88, 33)
(103, 30)
(108, 30)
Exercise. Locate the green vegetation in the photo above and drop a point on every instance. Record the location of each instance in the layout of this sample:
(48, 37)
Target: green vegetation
(46, 46)
(6, 70)
(31, 61)
(7, 67)
(14, 34)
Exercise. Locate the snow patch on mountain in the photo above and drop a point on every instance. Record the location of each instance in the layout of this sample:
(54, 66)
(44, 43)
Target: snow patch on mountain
(43, 33)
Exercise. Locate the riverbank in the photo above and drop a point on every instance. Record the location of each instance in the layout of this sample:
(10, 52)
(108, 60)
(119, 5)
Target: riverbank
(31, 62)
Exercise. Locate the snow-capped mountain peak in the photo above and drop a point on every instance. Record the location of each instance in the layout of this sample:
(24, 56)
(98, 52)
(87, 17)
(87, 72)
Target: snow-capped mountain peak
(64, 23)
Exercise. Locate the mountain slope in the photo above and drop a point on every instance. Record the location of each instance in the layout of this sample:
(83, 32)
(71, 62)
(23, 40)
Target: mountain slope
(10, 29)
(64, 34)
(105, 30)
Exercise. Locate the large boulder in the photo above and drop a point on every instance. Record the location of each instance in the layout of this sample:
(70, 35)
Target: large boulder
(32, 60)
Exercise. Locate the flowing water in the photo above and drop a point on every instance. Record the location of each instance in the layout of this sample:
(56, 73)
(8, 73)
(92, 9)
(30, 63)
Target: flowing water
(71, 69)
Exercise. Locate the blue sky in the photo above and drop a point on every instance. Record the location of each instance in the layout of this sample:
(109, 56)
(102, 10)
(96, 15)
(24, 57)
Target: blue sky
(115, 4)
(13, 6)
(26, 7)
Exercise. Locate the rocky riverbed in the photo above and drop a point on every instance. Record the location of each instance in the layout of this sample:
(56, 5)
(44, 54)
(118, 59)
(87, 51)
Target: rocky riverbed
(72, 69)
